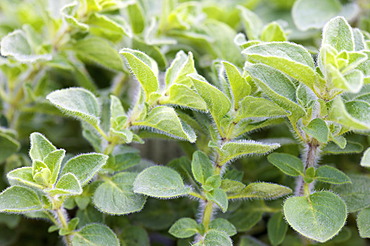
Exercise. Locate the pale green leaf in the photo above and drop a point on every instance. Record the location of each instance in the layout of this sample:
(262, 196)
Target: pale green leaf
(349, 148)
(319, 216)
(276, 229)
(100, 51)
(252, 23)
(273, 32)
(224, 225)
(219, 197)
(116, 196)
(166, 120)
(144, 68)
(318, 129)
(8, 146)
(239, 148)
(338, 33)
(309, 14)
(262, 190)
(288, 164)
(116, 108)
(137, 17)
(77, 102)
(66, 185)
(184, 228)
(201, 166)
(363, 223)
(160, 181)
(331, 175)
(95, 235)
(23, 176)
(54, 161)
(181, 66)
(106, 27)
(18, 199)
(40, 146)
(217, 238)
(85, 166)
(365, 160)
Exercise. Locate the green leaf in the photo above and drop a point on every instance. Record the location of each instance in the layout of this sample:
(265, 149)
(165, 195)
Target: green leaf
(68, 184)
(217, 238)
(23, 176)
(309, 14)
(40, 146)
(239, 148)
(219, 197)
(288, 164)
(276, 229)
(363, 223)
(184, 228)
(8, 146)
(289, 58)
(224, 225)
(212, 182)
(201, 166)
(160, 181)
(217, 102)
(365, 160)
(331, 175)
(41, 173)
(99, 51)
(319, 216)
(18, 199)
(261, 190)
(137, 17)
(258, 107)
(95, 234)
(338, 33)
(238, 85)
(54, 161)
(181, 66)
(318, 129)
(277, 86)
(84, 166)
(252, 23)
(116, 196)
(144, 68)
(166, 120)
(77, 102)
(273, 32)
(356, 194)
(247, 215)
(350, 148)
(116, 108)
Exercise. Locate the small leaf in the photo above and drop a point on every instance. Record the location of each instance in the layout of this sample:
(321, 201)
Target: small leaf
(77, 102)
(100, 51)
(217, 238)
(40, 146)
(338, 33)
(116, 196)
(273, 32)
(365, 160)
(201, 166)
(184, 96)
(239, 148)
(247, 215)
(319, 216)
(318, 129)
(116, 108)
(8, 146)
(181, 66)
(84, 166)
(160, 181)
(363, 223)
(224, 225)
(276, 229)
(23, 176)
(288, 164)
(54, 161)
(166, 120)
(184, 228)
(219, 197)
(331, 175)
(144, 68)
(18, 199)
(68, 184)
(137, 17)
(252, 23)
(262, 190)
(350, 148)
(95, 234)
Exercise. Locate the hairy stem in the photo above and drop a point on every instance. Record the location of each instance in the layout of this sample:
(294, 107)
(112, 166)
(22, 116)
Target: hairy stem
(207, 214)
(62, 217)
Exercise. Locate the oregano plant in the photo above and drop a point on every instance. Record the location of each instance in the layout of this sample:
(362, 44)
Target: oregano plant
(184, 123)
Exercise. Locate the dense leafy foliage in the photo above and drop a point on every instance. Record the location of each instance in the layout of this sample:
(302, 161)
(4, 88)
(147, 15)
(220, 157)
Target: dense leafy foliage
(204, 123)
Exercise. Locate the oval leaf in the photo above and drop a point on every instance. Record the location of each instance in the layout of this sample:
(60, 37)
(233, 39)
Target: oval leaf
(288, 164)
(95, 234)
(18, 199)
(184, 228)
(331, 175)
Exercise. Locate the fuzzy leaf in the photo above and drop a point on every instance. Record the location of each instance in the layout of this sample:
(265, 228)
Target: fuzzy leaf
(224, 225)
(84, 166)
(309, 14)
(338, 33)
(68, 184)
(184, 96)
(161, 182)
(40, 146)
(262, 190)
(95, 234)
(116, 196)
(288, 164)
(252, 23)
(331, 175)
(184, 228)
(8, 146)
(363, 220)
(77, 102)
(219, 197)
(217, 238)
(144, 68)
(54, 161)
(137, 17)
(165, 119)
(23, 176)
(201, 167)
(365, 160)
(276, 229)
(107, 28)
(349, 148)
(116, 108)
(318, 129)
(247, 215)
(319, 216)
(273, 32)
(237, 149)
(99, 51)
(18, 199)
(181, 66)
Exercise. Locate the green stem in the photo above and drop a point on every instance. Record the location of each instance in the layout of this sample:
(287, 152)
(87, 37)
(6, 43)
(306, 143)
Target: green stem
(207, 214)
(194, 194)
(63, 223)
